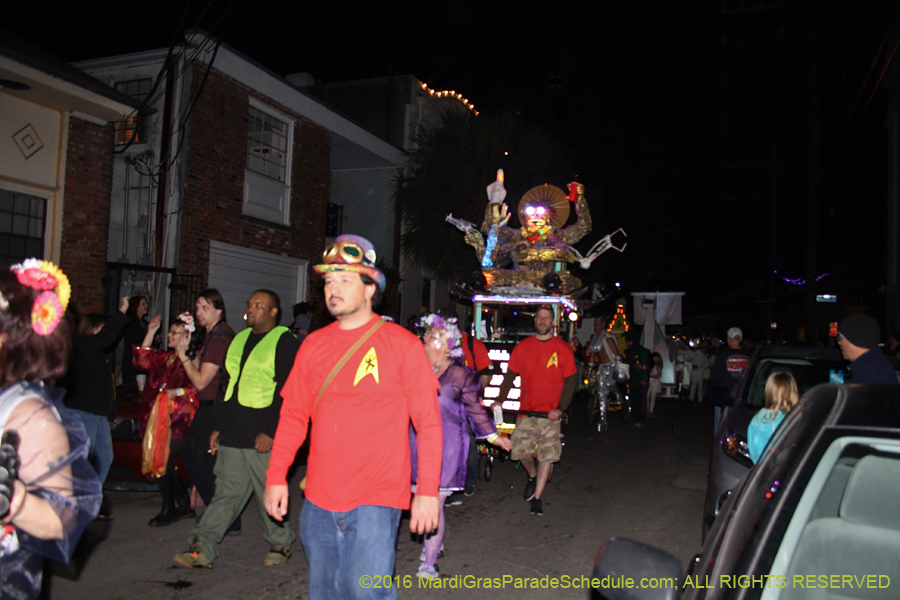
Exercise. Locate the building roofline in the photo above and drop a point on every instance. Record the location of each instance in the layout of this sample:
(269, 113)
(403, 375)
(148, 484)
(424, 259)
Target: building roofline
(35, 59)
(149, 57)
(228, 61)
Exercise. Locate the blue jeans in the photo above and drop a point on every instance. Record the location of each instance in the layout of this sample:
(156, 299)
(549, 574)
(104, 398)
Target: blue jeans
(350, 554)
(100, 437)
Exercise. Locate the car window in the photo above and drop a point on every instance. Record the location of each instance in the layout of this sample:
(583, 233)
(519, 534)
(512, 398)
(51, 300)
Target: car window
(844, 534)
(807, 372)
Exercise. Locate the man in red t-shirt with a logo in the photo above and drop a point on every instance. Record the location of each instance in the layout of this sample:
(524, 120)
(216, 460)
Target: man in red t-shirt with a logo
(547, 367)
(360, 382)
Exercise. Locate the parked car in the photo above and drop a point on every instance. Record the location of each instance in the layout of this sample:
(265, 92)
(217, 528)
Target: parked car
(730, 458)
(818, 517)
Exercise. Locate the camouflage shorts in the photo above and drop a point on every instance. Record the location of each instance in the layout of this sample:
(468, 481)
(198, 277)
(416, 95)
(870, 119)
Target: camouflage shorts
(535, 433)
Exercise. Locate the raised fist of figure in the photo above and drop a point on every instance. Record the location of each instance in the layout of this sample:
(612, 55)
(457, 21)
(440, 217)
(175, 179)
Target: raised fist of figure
(500, 215)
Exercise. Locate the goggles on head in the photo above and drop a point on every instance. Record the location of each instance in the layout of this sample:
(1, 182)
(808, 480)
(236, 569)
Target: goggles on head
(343, 252)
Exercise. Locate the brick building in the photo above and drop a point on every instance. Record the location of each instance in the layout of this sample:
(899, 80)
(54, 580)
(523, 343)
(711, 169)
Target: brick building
(234, 182)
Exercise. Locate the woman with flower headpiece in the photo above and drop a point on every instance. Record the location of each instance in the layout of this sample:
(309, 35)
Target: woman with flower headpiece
(168, 404)
(49, 492)
(460, 409)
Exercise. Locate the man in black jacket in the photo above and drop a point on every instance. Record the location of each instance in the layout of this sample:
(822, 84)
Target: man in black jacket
(858, 337)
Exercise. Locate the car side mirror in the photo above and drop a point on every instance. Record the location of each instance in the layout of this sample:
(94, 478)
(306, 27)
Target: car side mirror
(622, 564)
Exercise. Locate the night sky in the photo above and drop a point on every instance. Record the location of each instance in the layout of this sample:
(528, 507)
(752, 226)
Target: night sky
(683, 119)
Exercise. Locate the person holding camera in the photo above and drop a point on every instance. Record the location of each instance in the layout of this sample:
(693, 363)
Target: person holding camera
(49, 492)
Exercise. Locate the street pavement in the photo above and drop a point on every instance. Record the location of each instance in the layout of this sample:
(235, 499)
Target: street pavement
(646, 484)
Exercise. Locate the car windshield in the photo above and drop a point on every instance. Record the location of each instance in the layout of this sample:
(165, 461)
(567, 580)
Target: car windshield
(808, 372)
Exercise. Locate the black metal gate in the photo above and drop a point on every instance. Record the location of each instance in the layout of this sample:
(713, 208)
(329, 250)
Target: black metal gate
(126, 279)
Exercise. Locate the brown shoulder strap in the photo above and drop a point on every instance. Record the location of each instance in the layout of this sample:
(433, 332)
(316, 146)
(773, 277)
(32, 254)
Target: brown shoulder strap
(346, 357)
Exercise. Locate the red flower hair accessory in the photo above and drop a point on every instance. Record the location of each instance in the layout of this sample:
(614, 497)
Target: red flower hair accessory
(50, 305)
(46, 313)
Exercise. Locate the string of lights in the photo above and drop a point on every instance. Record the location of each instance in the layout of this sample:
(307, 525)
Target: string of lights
(619, 320)
(800, 281)
(450, 94)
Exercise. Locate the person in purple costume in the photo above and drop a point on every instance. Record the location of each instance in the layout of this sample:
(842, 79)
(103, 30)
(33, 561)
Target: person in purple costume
(460, 408)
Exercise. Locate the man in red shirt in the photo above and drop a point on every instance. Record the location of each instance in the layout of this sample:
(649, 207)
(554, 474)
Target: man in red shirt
(547, 367)
(361, 381)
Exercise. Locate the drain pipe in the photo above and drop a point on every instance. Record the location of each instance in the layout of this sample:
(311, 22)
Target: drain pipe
(165, 147)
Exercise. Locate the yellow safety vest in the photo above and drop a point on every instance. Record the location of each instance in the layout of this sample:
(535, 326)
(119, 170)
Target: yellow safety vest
(257, 378)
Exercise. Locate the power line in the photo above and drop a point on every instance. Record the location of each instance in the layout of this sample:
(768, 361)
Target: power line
(148, 99)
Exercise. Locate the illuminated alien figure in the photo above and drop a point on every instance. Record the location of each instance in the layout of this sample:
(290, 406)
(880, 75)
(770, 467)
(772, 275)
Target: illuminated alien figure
(524, 256)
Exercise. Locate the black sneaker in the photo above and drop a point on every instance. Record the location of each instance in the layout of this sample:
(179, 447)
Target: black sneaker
(529, 489)
(454, 499)
(537, 507)
(470, 490)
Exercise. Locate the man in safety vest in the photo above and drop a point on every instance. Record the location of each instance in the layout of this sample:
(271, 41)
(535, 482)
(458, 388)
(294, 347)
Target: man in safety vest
(257, 363)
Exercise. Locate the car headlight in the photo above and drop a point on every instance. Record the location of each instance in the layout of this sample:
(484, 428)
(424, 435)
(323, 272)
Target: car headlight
(735, 446)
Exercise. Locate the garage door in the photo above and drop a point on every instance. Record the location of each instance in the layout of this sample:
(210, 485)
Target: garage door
(237, 272)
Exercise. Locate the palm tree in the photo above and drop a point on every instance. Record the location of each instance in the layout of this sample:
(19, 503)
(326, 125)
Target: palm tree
(449, 172)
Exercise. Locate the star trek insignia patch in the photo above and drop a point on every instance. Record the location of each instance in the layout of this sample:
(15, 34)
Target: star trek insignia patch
(368, 366)
(554, 361)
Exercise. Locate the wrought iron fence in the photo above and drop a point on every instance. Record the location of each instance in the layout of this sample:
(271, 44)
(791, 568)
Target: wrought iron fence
(126, 279)
(169, 293)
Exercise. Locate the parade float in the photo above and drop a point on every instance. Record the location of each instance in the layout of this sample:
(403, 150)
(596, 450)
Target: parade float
(525, 267)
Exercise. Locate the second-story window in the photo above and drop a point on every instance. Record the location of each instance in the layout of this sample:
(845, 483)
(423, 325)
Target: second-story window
(133, 130)
(267, 175)
(266, 144)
